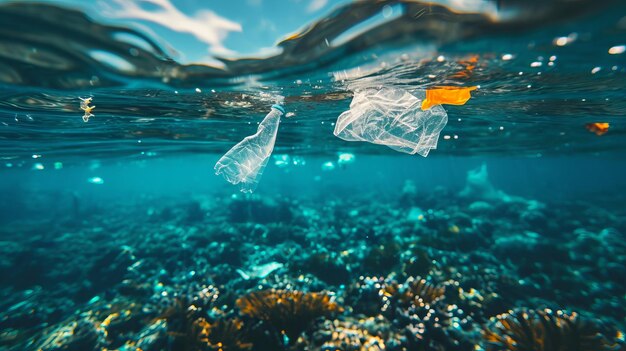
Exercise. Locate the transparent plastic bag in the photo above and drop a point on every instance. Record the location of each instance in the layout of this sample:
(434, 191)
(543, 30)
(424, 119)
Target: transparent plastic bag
(244, 163)
(392, 117)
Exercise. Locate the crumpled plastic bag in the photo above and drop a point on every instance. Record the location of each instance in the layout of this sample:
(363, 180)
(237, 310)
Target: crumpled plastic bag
(244, 163)
(392, 117)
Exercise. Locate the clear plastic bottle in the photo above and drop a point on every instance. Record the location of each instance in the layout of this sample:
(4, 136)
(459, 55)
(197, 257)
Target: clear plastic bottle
(244, 163)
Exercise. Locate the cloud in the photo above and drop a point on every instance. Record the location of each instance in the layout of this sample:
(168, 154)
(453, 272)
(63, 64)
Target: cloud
(316, 5)
(205, 25)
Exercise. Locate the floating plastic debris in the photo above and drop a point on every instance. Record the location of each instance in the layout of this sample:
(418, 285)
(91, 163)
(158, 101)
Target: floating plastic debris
(345, 158)
(600, 128)
(617, 50)
(245, 162)
(391, 117)
(287, 161)
(84, 105)
(328, 166)
(282, 160)
(446, 95)
(298, 161)
(95, 180)
(38, 167)
(58, 165)
(562, 41)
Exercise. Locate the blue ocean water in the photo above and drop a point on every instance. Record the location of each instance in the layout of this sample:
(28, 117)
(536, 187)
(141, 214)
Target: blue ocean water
(116, 234)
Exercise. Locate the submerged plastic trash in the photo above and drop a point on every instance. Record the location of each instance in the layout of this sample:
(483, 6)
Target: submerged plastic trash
(84, 105)
(391, 117)
(282, 160)
(345, 158)
(328, 166)
(286, 161)
(95, 180)
(245, 162)
(600, 128)
(261, 271)
(446, 95)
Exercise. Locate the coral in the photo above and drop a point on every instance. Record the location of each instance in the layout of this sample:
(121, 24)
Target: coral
(374, 295)
(350, 335)
(364, 295)
(419, 290)
(328, 266)
(182, 313)
(420, 309)
(419, 264)
(153, 336)
(382, 258)
(75, 335)
(544, 330)
(221, 335)
(289, 312)
(109, 269)
(258, 209)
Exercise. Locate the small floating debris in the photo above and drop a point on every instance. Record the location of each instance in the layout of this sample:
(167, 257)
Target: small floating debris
(600, 128)
(446, 95)
(345, 158)
(84, 105)
(95, 180)
(328, 166)
(282, 160)
(563, 41)
(287, 161)
(617, 50)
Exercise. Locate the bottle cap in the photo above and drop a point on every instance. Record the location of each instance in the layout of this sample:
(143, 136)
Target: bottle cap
(279, 108)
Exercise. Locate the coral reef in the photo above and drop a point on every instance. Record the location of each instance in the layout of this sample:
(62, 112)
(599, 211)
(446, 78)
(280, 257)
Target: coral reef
(423, 271)
(544, 330)
(221, 335)
(350, 335)
(288, 312)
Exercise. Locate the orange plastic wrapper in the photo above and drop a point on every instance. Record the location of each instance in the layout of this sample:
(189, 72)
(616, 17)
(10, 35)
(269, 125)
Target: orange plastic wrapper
(446, 95)
(600, 128)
